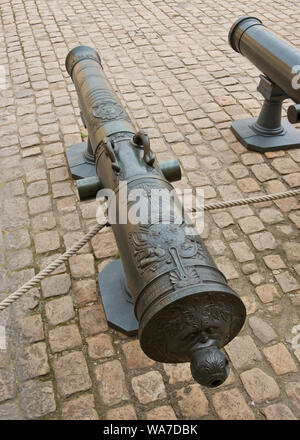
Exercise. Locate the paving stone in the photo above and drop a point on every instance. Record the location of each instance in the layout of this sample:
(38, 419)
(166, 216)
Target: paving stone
(71, 238)
(211, 163)
(135, 357)
(280, 359)
(295, 217)
(192, 402)
(164, 412)
(263, 172)
(249, 268)
(230, 192)
(271, 216)
(89, 209)
(251, 158)
(36, 189)
(66, 204)
(82, 265)
(32, 361)
(44, 221)
(243, 352)
(259, 385)
(70, 222)
(19, 259)
(64, 338)
(248, 185)
(238, 170)
(125, 412)
(17, 239)
(292, 390)
(287, 282)
(278, 411)
(262, 329)
(292, 179)
(59, 310)
(4, 358)
(100, 346)
(27, 302)
(84, 291)
(256, 278)
(226, 267)
(263, 241)
(267, 292)
(59, 174)
(92, 320)
(292, 250)
(71, 373)
(7, 385)
(14, 213)
(297, 268)
(230, 405)
(46, 260)
(251, 224)
(223, 219)
(274, 262)
(242, 251)
(46, 242)
(56, 161)
(9, 411)
(14, 188)
(216, 247)
(111, 383)
(30, 328)
(198, 179)
(80, 408)
(222, 177)
(285, 165)
(39, 205)
(37, 398)
(56, 285)
(178, 372)
(149, 387)
(104, 245)
(62, 189)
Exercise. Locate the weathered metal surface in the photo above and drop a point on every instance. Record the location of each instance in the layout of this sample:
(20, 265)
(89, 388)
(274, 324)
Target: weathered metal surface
(185, 309)
(277, 60)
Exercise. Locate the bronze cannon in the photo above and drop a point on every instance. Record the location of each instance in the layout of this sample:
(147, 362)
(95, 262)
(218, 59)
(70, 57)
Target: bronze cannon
(184, 309)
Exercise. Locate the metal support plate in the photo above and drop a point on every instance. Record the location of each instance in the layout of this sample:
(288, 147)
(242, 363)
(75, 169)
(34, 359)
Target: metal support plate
(242, 128)
(78, 164)
(118, 307)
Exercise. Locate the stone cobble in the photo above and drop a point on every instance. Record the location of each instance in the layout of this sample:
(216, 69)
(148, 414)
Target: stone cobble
(170, 63)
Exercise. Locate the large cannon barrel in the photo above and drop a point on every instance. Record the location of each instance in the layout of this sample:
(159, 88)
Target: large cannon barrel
(185, 309)
(270, 54)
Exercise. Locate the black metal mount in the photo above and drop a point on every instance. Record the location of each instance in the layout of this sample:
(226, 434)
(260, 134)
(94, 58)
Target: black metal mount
(81, 161)
(117, 303)
(268, 132)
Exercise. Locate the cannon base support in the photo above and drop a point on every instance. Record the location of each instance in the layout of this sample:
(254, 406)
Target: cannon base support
(118, 306)
(242, 128)
(80, 165)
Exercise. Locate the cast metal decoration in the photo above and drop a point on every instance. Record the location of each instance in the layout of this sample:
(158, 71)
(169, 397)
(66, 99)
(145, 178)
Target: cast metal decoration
(280, 64)
(165, 285)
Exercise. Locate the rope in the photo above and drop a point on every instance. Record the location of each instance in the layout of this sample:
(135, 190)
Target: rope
(51, 267)
(250, 200)
(75, 248)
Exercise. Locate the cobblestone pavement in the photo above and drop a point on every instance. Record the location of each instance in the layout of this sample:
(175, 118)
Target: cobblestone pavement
(171, 64)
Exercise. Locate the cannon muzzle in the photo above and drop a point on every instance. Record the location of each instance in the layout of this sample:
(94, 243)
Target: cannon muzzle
(274, 57)
(183, 307)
